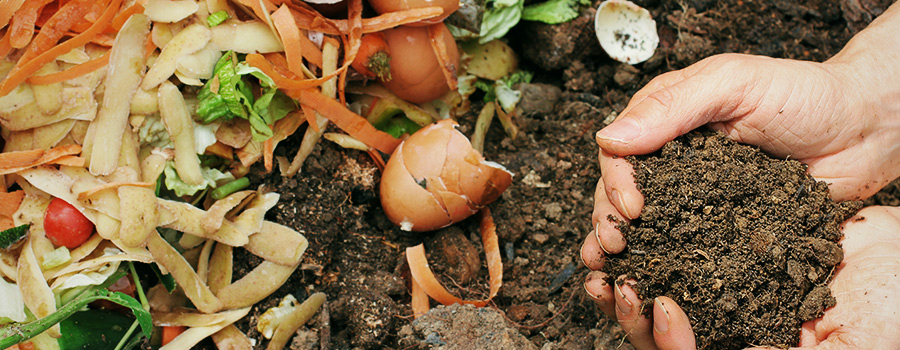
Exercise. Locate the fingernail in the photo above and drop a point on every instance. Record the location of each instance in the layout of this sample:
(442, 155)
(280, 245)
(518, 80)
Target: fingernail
(622, 304)
(588, 291)
(660, 324)
(600, 242)
(621, 205)
(581, 255)
(623, 130)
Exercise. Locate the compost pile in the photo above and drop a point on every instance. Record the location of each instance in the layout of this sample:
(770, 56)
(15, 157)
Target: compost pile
(743, 242)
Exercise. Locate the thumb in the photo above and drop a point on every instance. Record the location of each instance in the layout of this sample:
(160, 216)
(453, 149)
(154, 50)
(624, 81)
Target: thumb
(676, 103)
(671, 326)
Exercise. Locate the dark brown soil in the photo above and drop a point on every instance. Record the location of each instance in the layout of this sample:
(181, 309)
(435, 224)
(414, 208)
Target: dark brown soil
(355, 253)
(743, 242)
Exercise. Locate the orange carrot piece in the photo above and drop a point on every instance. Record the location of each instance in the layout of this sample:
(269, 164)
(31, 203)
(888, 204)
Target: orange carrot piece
(311, 52)
(421, 273)
(5, 46)
(268, 153)
(20, 158)
(350, 122)
(102, 39)
(290, 37)
(439, 45)
(12, 162)
(370, 60)
(278, 60)
(369, 25)
(71, 73)
(90, 18)
(285, 79)
(354, 15)
(310, 114)
(23, 70)
(55, 27)
(119, 21)
(9, 202)
(169, 333)
(420, 304)
(260, 7)
(376, 157)
(21, 27)
(7, 9)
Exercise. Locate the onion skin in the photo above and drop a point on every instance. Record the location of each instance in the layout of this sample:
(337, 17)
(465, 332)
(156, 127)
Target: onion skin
(416, 74)
(385, 6)
(435, 178)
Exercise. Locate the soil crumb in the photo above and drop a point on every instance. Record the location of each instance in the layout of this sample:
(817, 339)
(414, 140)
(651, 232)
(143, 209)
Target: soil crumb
(743, 242)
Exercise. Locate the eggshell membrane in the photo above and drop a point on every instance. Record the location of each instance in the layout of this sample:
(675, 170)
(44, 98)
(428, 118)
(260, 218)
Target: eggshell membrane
(416, 75)
(626, 31)
(456, 176)
(385, 6)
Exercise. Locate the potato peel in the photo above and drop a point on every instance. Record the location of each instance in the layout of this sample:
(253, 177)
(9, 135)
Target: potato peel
(422, 274)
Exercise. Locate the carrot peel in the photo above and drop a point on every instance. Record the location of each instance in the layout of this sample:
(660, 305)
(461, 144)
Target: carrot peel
(352, 123)
(439, 45)
(422, 274)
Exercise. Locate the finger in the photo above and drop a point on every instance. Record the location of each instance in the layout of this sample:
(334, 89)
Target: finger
(844, 175)
(660, 82)
(671, 326)
(676, 109)
(621, 189)
(608, 236)
(600, 292)
(591, 254)
(637, 327)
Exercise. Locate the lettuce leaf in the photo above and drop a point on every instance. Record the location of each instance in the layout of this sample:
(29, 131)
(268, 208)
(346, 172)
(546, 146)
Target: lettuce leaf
(499, 17)
(211, 178)
(553, 11)
(229, 94)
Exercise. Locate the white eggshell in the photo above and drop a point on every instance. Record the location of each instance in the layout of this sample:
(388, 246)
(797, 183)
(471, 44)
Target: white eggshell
(626, 31)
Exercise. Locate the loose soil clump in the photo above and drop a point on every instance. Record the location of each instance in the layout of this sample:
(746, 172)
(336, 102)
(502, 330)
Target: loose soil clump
(743, 242)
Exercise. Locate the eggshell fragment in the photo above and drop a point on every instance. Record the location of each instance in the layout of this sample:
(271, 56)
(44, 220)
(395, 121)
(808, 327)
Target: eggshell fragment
(626, 31)
(435, 178)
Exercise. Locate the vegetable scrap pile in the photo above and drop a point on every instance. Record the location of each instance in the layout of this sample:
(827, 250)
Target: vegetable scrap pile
(129, 127)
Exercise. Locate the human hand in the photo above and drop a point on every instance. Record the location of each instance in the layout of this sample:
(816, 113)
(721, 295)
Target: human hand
(817, 113)
(865, 285)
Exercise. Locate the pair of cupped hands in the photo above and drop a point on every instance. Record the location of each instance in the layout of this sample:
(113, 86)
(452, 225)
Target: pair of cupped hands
(841, 117)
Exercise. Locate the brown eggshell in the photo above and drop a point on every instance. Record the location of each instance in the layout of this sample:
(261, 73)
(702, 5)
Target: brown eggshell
(416, 74)
(405, 202)
(458, 181)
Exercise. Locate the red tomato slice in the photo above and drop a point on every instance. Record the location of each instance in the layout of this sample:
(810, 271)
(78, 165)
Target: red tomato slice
(65, 225)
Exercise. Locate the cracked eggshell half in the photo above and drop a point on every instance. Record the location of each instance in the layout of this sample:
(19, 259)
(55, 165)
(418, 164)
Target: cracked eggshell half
(626, 31)
(435, 178)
